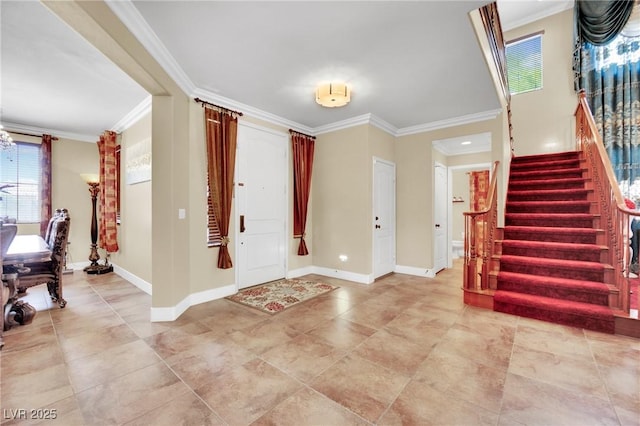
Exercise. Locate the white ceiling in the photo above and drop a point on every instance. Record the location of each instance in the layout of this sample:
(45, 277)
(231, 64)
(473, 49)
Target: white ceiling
(412, 65)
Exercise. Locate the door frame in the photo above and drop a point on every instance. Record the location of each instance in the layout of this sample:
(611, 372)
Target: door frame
(395, 214)
(447, 214)
(287, 213)
(470, 167)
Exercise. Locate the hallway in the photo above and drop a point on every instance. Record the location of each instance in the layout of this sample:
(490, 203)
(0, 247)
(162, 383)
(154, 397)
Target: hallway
(404, 350)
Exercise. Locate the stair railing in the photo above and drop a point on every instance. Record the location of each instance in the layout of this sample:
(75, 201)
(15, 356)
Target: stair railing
(614, 214)
(479, 234)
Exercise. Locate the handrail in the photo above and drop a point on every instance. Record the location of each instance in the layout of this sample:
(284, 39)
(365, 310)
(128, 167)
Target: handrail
(479, 234)
(609, 203)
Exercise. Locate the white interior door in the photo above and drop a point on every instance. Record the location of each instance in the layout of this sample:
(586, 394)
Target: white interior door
(384, 217)
(261, 199)
(440, 219)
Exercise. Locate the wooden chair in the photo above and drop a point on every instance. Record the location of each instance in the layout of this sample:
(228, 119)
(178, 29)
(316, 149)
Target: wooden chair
(7, 283)
(50, 272)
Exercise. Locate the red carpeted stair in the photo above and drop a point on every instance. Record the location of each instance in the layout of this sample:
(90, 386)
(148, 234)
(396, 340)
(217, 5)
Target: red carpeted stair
(551, 265)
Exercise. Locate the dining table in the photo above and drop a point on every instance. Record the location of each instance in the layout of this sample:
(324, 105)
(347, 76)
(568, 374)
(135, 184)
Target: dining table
(29, 248)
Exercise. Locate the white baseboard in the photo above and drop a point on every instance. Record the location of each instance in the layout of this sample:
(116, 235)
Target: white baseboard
(412, 270)
(133, 279)
(172, 313)
(343, 275)
(295, 273)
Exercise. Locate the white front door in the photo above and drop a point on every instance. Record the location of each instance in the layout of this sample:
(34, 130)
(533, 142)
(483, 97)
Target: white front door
(384, 217)
(261, 200)
(440, 220)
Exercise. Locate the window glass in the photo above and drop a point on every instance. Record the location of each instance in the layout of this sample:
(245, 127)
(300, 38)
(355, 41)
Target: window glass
(524, 64)
(20, 183)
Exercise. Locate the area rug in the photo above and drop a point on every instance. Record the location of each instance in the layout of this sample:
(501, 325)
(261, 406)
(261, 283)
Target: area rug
(276, 296)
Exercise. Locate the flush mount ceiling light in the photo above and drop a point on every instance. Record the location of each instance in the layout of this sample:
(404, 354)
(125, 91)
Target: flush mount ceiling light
(333, 95)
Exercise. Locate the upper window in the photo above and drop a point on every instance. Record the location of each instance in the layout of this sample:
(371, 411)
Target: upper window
(20, 183)
(524, 64)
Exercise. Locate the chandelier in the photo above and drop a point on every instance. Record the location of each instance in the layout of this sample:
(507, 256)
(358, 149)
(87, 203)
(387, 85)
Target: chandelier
(6, 141)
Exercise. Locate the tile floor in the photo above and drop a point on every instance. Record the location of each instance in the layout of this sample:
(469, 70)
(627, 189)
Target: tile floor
(404, 350)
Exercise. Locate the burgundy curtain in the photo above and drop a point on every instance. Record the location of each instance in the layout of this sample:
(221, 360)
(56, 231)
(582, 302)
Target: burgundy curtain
(45, 183)
(221, 133)
(107, 198)
(302, 147)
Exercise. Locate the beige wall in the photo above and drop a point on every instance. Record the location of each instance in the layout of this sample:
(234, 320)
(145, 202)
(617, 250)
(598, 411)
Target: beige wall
(415, 157)
(543, 119)
(69, 159)
(342, 200)
(134, 231)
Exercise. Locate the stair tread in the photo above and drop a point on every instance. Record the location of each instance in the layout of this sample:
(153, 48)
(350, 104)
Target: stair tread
(556, 263)
(552, 303)
(552, 215)
(583, 285)
(556, 245)
(553, 230)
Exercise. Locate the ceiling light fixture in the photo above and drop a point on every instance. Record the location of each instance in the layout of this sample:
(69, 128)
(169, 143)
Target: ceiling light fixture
(333, 95)
(466, 143)
(6, 141)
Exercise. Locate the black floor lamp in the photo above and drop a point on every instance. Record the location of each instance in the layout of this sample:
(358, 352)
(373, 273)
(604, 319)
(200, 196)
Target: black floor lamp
(95, 268)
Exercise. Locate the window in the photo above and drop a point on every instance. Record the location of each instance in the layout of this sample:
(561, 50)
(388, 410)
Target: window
(524, 64)
(20, 183)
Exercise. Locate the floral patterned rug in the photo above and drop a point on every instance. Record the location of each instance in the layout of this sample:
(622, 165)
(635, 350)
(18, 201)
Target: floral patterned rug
(279, 295)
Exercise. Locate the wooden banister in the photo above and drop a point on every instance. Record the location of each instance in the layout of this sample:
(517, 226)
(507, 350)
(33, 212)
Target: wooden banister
(479, 234)
(609, 202)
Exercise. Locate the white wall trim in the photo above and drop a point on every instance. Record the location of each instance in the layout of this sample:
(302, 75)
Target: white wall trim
(9, 127)
(133, 279)
(171, 313)
(412, 270)
(142, 109)
(451, 122)
(295, 273)
(133, 20)
(344, 275)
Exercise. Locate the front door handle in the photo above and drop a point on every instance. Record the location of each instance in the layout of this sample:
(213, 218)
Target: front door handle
(437, 225)
(242, 228)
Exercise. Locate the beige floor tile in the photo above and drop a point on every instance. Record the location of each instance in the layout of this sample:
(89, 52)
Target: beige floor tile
(303, 357)
(372, 314)
(307, 407)
(396, 353)
(420, 404)
(39, 388)
(262, 336)
(95, 341)
(566, 371)
(463, 378)
(65, 412)
(245, 393)
(109, 364)
(529, 401)
(341, 333)
(128, 397)
(365, 388)
(186, 409)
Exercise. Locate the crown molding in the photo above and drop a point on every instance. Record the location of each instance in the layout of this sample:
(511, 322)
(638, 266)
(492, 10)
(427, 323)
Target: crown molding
(142, 109)
(133, 20)
(343, 124)
(451, 122)
(553, 8)
(251, 111)
(15, 127)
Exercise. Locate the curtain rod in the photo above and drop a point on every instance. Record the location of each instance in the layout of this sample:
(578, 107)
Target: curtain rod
(300, 133)
(53, 138)
(204, 103)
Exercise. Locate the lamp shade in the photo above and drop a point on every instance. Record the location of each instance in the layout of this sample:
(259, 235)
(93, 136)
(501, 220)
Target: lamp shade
(90, 177)
(333, 95)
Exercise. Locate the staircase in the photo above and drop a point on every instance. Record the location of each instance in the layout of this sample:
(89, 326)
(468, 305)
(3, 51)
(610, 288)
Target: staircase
(552, 261)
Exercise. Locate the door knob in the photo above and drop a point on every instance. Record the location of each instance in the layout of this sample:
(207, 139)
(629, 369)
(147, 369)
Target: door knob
(377, 226)
(242, 228)
(437, 225)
